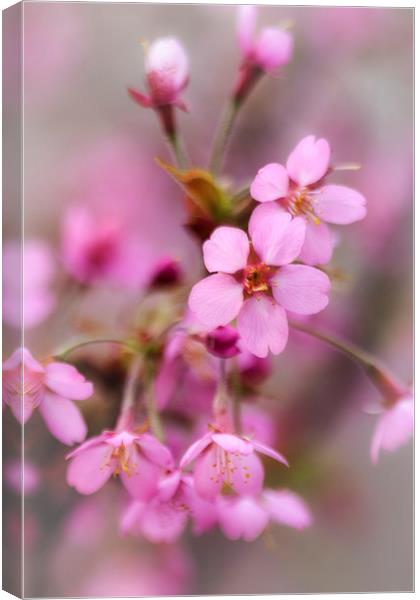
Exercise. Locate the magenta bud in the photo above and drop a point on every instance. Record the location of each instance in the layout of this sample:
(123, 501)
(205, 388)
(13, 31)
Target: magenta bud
(222, 342)
(253, 369)
(167, 272)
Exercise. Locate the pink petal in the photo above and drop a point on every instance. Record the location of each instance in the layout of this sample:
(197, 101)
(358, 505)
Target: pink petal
(273, 48)
(270, 183)
(247, 16)
(232, 443)
(318, 246)
(65, 380)
(276, 236)
(264, 449)
(242, 518)
(142, 479)
(227, 250)
(216, 300)
(163, 522)
(167, 57)
(195, 450)
(130, 519)
(394, 429)
(63, 419)
(301, 289)
(168, 485)
(309, 160)
(262, 325)
(207, 479)
(203, 513)
(287, 508)
(246, 474)
(340, 205)
(91, 469)
(155, 450)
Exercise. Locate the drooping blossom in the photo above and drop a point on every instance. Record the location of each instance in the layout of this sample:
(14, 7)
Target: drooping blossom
(28, 271)
(266, 52)
(395, 425)
(167, 76)
(137, 458)
(21, 476)
(299, 188)
(227, 460)
(255, 283)
(27, 384)
(246, 517)
(165, 516)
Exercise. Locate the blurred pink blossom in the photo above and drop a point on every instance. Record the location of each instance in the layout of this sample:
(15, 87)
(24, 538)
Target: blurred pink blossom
(20, 474)
(28, 272)
(395, 426)
(28, 385)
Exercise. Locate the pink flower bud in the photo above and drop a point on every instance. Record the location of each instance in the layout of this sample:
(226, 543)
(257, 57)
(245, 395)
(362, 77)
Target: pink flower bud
(167, 71)
(167, 272)
(222, 342)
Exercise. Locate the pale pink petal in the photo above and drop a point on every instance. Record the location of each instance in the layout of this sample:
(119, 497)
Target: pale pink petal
(301, 289)
(91, 469)
(203, 512)
(245, 474)
(270, 183)
(131, 517)
(232, 443)
(276, 236)
(141, 480)
(264, 449)
(168, 485)
(65, 380)
(227, 250)
(318, 246)
(63, 419)
(395, 427)
(207, 479)
(339, 204)
(195, 450)
(273, 48)
(22, 408)
(287, 508)
(163, 522)
(247, 16)
(216, 300)
(309, 160)
(90, 443)
(155, 450)
(262, 325)
(241, 518)
(167, 70)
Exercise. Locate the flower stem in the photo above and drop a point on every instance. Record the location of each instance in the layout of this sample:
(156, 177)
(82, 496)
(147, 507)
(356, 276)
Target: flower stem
(63, 353)
(222, 136)
(150, 403)
(380, 376)
(178, 154)
(126, 418)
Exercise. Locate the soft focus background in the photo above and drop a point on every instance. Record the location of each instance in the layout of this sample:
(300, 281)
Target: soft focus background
(86, 142)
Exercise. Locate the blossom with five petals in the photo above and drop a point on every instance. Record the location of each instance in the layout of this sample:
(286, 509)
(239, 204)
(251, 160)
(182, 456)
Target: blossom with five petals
(299, 189)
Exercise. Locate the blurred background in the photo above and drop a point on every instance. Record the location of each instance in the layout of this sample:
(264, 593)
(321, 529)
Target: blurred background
(86, 143)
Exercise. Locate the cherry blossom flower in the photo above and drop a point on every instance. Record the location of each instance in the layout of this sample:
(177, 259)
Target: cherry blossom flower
(246, 517)
(299, 189)
(271, 49)
(166, 73)
(256, 283)
(27, 384)
(137, 458)
(28, 272)
(395, 426)
(165, 516)
(227, 460)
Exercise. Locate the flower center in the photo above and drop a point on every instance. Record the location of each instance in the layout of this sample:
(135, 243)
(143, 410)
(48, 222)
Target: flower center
(256, 278)
(300, 203)
(123, 462)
